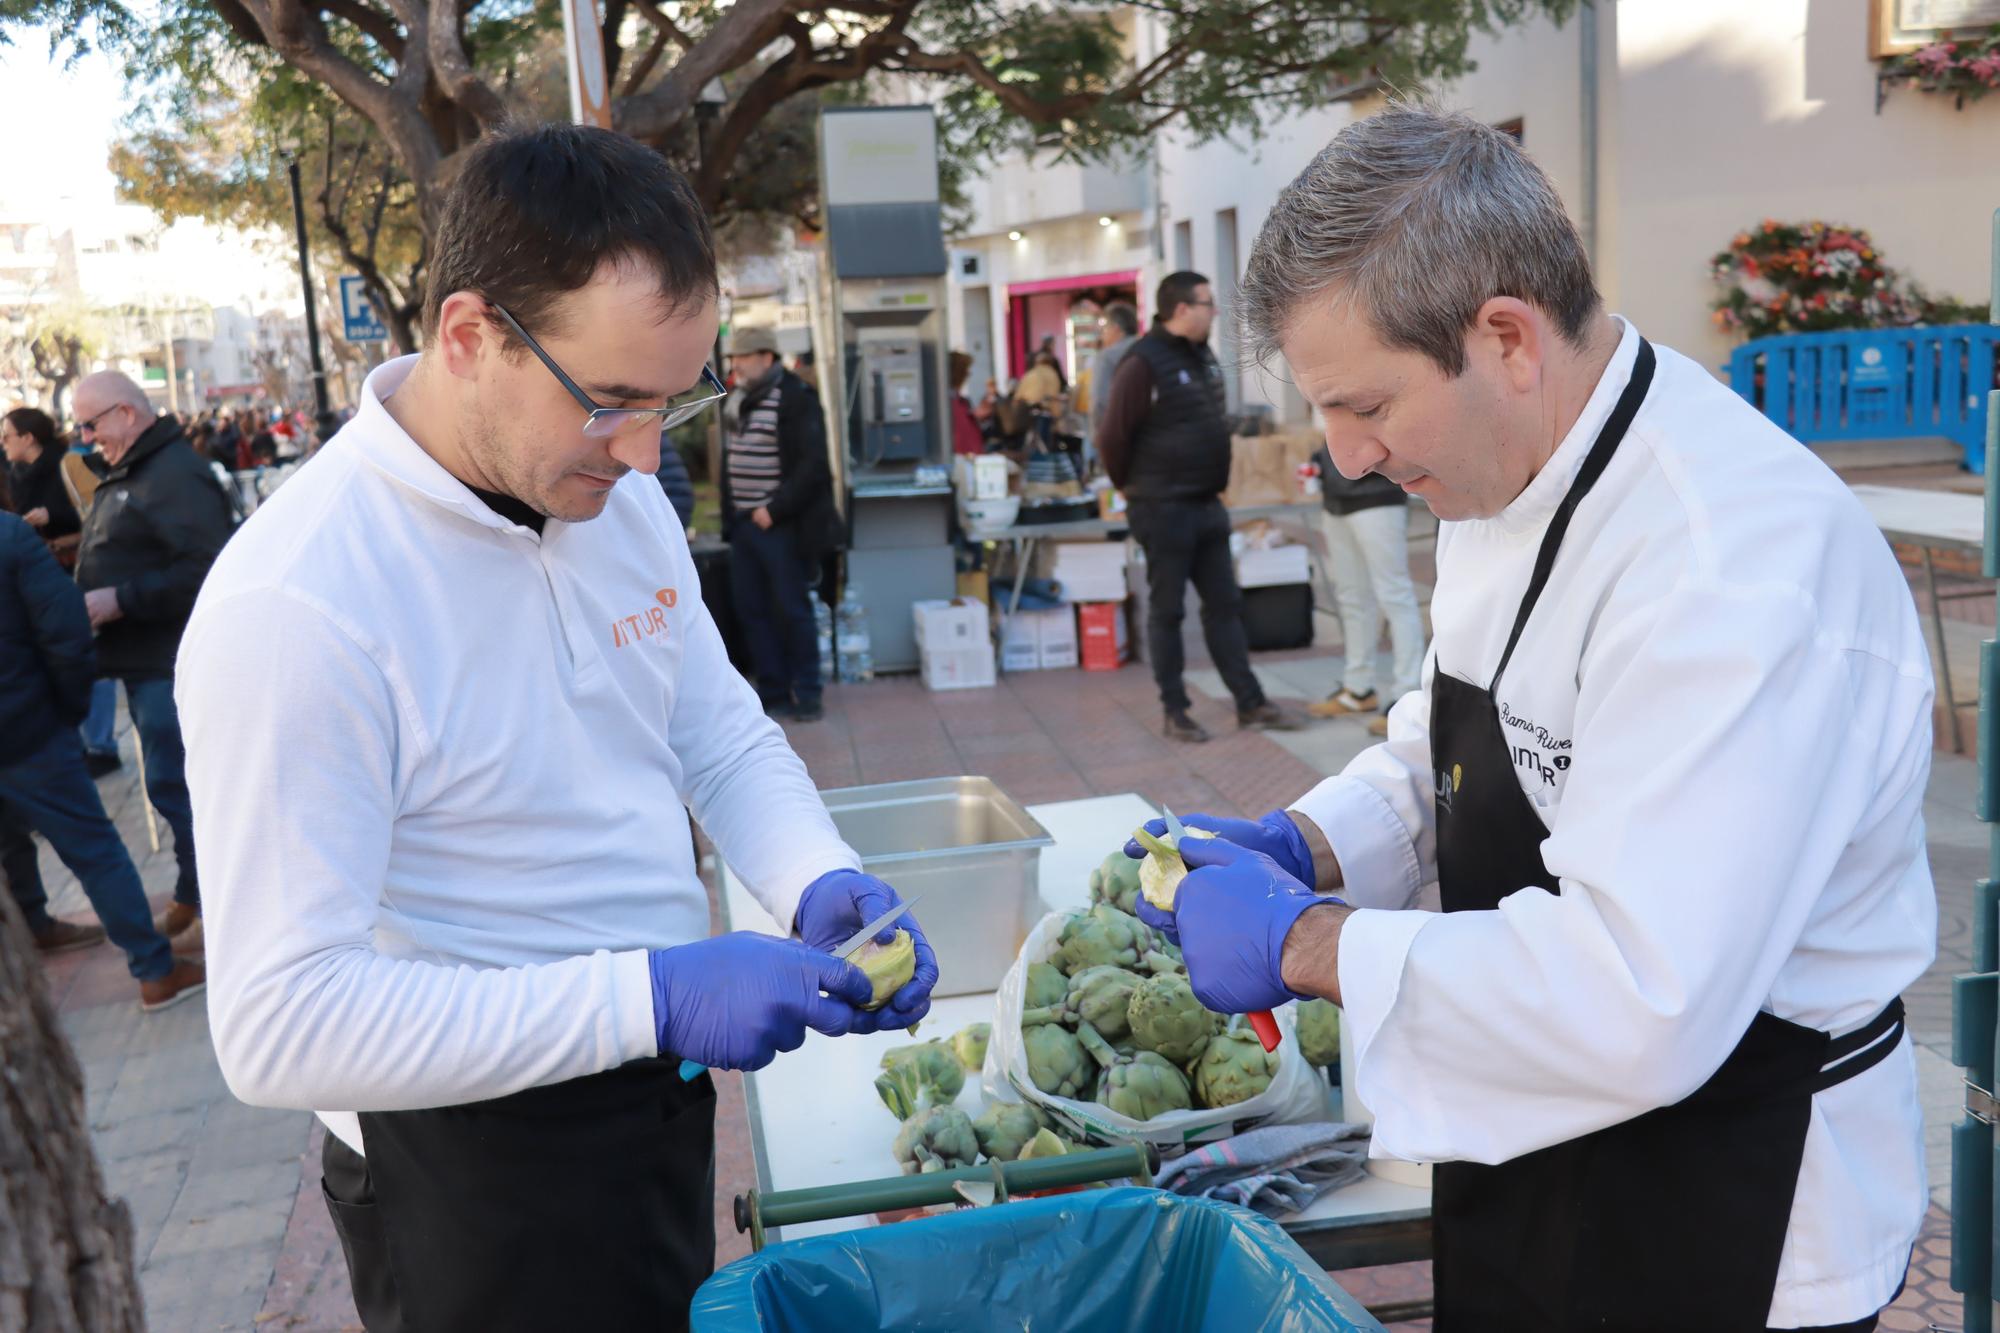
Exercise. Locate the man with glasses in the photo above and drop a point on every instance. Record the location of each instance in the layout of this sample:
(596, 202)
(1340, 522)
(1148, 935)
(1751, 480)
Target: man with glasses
(153, 529)
(777, 506)
(1165, 444)
(450, 696)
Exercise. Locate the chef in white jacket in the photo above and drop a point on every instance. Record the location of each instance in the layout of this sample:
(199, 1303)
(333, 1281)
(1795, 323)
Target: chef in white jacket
(1665, 779)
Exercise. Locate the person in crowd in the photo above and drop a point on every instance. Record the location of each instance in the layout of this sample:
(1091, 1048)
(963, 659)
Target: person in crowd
(1120, 317)
(35, 483)
(966, 436)
(473, 645)
(1048, 350)
(46, 671)
(1366, 525)
(676, 482)
(154, 528)
(1039, 396)
(777, 504)
(1165, 443)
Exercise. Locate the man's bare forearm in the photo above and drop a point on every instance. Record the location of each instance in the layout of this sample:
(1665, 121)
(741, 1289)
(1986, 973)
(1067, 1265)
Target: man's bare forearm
(1311, 961)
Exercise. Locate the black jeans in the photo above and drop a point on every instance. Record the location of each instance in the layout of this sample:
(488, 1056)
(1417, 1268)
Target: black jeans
(771, 586)
(580, 1205)
(20, 865)
(1183, 540)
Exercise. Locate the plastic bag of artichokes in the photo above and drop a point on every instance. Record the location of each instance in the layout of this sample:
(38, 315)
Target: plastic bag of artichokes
(1295, 1093)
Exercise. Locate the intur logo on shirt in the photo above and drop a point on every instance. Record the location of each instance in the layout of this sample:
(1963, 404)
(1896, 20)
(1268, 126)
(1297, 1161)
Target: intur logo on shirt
(647, 624)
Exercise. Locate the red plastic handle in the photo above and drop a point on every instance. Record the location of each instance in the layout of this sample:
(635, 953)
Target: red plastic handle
(1266, 1028)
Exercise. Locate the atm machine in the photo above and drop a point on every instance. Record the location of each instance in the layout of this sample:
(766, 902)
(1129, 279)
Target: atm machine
(881, 301)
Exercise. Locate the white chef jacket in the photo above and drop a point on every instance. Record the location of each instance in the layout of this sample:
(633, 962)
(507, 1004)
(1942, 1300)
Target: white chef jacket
(1721, 708)
(439, 767)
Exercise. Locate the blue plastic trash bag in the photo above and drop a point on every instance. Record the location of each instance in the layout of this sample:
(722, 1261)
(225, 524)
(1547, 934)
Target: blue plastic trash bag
(1100, 1261)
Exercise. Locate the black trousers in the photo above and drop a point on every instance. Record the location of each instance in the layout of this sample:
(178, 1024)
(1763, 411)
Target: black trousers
(1189, 540)
(771, 583)
(587, 1204)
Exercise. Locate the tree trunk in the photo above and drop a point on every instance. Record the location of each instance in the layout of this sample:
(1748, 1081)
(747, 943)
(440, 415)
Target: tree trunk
(65, 1249)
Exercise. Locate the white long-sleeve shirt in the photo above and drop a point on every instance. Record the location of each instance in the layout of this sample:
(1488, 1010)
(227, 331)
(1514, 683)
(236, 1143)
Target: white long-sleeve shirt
(1721, 709)
(439, 768)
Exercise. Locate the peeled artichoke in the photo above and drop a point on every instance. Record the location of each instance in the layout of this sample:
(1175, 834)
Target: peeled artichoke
(1319, 1032)
(1046, 986)
(1115, 883)
(936, 1140)
(1056, 1061)
(889, 966)
(918, 1076)
(1101, 937)
(1046, 1143)
(1100, 997)
(1233, 1067)
(1004, 1128)
(1166, 1018)
(969, 1044)
(1161, 873)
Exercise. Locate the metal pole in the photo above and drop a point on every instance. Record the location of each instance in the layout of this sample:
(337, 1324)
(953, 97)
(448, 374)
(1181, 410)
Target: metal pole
(305, 281)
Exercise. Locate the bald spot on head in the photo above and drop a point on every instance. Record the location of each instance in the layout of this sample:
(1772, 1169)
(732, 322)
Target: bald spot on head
(108, 388)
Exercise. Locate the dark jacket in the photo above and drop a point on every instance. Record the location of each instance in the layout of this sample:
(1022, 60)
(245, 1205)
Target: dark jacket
(1166, 431)
(155, 527)
(39, 485)
(803, 501)
(47, 662)
(674, 480)
(1341, 496)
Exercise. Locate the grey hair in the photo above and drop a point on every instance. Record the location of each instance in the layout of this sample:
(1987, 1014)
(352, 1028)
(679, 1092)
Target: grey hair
(1418, 216)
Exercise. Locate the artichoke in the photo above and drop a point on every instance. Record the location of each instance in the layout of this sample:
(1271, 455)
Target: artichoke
(1004, 1128)
(1166, 1018)
(1161, 873)
(1116, 882)
(1046, 1143)
(936, 1140)
(1141, 1085)
(1101, 937)
(1046, 986)
(1100, 997)
(1319, 1032)
(889, 966)
(1056, 1061)
(969, 1043)
(922, 1075)
(1232, 1068)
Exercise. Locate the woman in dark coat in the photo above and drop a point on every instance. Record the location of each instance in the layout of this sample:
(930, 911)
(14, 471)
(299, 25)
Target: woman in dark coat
(34, 479)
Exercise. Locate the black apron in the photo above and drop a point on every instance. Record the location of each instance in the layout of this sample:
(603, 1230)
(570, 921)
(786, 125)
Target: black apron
(1674, 1220)
(578, 1205)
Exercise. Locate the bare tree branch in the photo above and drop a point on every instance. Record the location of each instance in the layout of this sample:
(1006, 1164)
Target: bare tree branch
(744, 29)
(379, 27)
(455, 72)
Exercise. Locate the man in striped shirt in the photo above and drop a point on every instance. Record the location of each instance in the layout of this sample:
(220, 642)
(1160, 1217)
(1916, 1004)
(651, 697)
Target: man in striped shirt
(777, 502)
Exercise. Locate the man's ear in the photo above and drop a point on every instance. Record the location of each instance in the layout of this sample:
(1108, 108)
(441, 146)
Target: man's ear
(465, 334)
(1512, 336)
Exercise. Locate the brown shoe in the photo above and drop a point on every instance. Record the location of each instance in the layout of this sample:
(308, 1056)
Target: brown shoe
(1379, 726)
(190, 943)
(1181, 727)
(177, 918)
(1266, 716)
(1345, 703)
(64, 936)
(186, 979)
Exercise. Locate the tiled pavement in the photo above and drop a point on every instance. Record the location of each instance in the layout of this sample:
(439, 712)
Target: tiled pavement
(230, 1232)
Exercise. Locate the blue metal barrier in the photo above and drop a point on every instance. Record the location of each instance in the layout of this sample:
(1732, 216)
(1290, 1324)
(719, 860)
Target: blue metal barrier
(1874, 384)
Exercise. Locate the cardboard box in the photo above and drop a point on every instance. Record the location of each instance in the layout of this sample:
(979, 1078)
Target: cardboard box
(1273, 567)
(1264, 469)
(1105, 642)
(958, 668)
(944, 626)
(1090, 571)
(1057, 632)
(974, 584)
(1021, 642)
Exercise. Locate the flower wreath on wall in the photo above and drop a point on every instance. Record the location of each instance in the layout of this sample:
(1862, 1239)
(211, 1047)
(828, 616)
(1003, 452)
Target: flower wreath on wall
(1805, 277)
(1962, 70)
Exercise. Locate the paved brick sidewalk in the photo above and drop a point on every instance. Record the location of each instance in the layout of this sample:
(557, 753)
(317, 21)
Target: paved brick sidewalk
(231, 1232)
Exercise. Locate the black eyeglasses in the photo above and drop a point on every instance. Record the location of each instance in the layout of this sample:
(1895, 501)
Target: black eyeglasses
(91, 425)
(608, 421)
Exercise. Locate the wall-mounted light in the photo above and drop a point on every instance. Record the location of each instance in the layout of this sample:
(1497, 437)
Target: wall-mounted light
(1013, 235)
(1104, 222)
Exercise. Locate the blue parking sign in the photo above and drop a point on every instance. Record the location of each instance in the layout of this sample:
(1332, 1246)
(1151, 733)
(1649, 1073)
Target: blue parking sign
(359, 322)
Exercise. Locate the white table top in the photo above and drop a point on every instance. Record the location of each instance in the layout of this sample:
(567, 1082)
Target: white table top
(814, 1115)
(1938, 518)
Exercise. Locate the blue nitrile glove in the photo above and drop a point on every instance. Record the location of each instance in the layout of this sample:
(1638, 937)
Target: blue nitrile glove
(1275, 835)
(841, 902)
(1232, 914)
(735, 1001)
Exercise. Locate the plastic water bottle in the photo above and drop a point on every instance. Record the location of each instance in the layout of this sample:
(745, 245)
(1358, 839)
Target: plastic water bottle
(823, 620)
(851, 645)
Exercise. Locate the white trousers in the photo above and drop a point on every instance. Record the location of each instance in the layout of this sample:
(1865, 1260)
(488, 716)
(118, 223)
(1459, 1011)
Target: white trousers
(1368, 556)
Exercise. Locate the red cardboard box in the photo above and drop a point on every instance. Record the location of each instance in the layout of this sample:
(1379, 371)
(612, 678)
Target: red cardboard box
(1101, 628)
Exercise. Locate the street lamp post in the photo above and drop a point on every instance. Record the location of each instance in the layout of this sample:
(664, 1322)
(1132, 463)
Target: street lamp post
(707, 108)
(320, 405)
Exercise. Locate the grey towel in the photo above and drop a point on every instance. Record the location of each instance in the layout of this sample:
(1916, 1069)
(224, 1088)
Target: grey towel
(1275, 1170)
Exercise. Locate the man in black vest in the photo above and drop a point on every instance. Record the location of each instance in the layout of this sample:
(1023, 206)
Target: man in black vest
(1165, 444)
